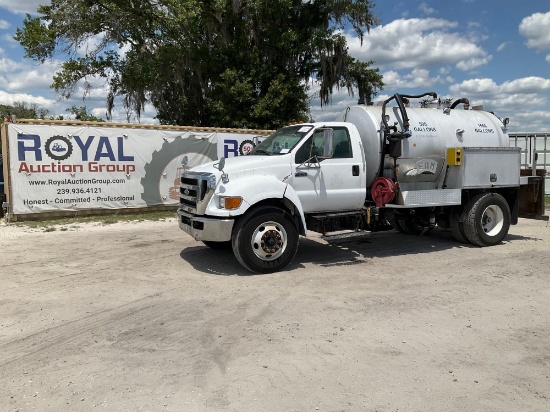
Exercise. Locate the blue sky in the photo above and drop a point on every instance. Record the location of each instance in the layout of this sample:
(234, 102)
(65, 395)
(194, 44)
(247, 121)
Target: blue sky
(496, 53)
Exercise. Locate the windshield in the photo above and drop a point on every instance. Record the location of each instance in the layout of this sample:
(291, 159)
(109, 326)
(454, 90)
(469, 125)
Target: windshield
(282, 141)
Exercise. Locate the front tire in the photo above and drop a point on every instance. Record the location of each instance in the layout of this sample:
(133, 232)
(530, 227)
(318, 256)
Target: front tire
(265, 240)
(486, 219)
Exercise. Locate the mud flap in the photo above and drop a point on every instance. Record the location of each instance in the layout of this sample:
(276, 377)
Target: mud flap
(531, 197)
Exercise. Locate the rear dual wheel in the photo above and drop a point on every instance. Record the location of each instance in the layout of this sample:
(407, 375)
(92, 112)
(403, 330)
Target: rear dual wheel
(396, 223)
(413, 228)
(457, 227)
(407, 225)
(484, 221)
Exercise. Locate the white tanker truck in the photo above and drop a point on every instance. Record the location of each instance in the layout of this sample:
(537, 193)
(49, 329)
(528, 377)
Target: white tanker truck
(375, 168)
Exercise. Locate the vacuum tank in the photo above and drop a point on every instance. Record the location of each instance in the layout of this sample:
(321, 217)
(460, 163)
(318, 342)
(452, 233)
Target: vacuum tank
(418, 138)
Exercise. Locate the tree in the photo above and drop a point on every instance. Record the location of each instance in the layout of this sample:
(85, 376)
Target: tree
(23, 110)
(206, 62)
(81, 113)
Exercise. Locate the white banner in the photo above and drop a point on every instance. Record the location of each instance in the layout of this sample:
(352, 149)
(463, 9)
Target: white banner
(232, 144)
(59, 167)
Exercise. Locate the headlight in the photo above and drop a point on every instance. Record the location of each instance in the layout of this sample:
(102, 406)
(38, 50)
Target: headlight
(211, 185)
(230, 202)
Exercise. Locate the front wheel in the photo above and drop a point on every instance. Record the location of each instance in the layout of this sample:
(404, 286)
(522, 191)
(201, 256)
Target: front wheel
(265, 240)
(486, 219)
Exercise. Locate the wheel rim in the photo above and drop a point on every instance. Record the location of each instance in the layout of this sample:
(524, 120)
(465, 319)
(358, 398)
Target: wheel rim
(492, 220)
(269, 241)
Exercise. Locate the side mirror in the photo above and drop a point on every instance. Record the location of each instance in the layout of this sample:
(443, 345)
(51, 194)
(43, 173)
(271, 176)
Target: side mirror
(220, 165)
(328, 146)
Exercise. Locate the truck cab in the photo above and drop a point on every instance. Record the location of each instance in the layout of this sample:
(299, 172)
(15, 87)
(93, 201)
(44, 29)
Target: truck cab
(332, 181)
(296, 172)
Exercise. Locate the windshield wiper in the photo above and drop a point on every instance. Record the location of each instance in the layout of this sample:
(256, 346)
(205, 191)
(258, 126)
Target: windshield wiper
(261, 151)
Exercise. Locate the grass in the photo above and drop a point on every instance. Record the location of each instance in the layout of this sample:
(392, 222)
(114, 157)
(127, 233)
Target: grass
(53, 224)
(547, 201)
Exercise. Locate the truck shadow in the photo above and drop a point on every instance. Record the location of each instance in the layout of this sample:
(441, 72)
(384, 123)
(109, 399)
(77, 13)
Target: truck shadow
(333, 253)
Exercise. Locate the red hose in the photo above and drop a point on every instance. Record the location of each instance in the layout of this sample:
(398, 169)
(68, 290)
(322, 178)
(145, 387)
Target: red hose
(383, 191)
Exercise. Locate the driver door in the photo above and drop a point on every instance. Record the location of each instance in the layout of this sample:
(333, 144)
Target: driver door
(333, 184)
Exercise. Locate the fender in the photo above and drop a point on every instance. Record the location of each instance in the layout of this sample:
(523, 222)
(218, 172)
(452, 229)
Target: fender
(253, 190)
(292, 196)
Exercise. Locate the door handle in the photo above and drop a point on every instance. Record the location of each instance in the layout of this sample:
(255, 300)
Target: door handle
(355, 170)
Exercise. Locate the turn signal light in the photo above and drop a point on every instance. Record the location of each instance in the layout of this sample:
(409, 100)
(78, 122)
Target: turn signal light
(230, 202)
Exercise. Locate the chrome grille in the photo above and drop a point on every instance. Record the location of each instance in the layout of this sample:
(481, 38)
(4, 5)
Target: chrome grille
(194, 194)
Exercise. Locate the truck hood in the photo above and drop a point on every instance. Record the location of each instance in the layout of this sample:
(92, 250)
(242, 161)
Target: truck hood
(277, 166)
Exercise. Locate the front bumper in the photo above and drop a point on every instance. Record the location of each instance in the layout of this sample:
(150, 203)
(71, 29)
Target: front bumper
(203, 228)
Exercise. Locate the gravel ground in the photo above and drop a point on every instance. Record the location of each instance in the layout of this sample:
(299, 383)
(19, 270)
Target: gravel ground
(140, 317)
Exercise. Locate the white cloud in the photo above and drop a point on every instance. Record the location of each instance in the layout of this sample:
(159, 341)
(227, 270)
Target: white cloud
(340, 100)
(536, 28)
(424, 8)
(526, 85)
(472, 63)
(90, 45)
(95, 106)
(4, 24)
(22, 7)
(26, 76)
(517, 99)
(501, 47)
(487, 87)
(417, 78)
(418, 43)
(8, 66)
(31, 80)
(8, 39)
(26, 81)
(10, 99)
(536, 120)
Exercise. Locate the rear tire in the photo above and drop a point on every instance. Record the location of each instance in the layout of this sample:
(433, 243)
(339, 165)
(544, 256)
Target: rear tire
(265, 240)
(395, 223)
(457, 227)
(412, 228)
(486, 219)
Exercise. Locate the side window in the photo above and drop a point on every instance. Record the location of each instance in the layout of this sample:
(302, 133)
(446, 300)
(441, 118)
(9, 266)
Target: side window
(314, 146)
(302, 154)
(342, 144)
(311, 148)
